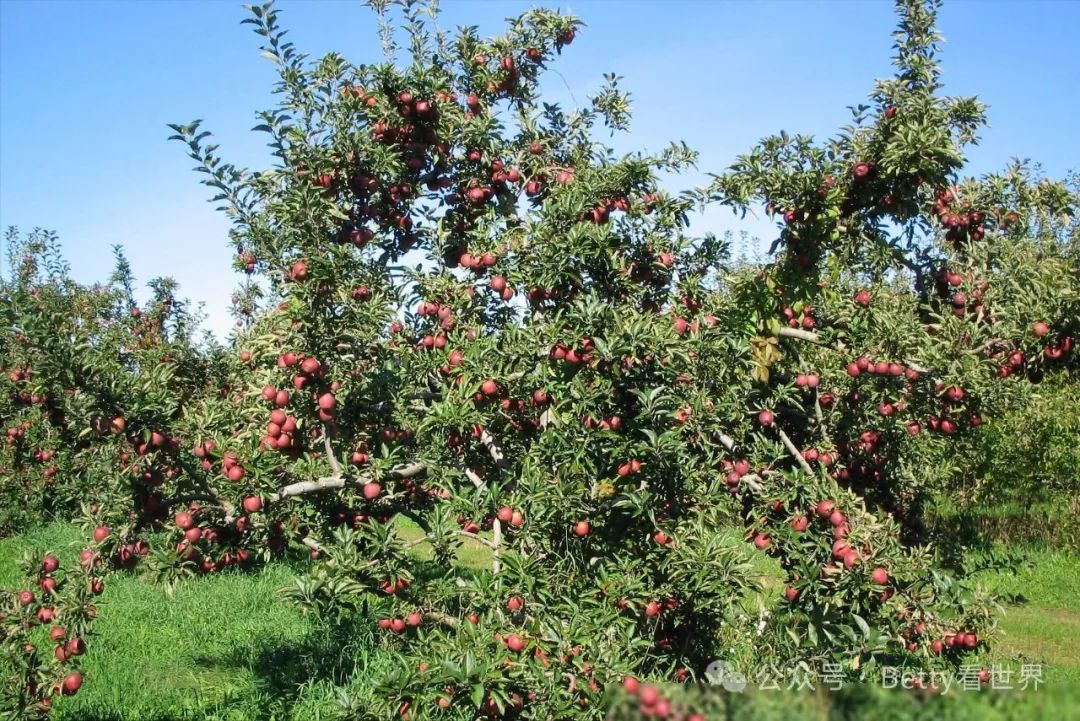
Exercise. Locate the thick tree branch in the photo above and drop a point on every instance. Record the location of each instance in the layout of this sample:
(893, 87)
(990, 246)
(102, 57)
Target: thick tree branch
(753, 482)
(334, 465)
(496, 452)
(409, 470)
(806, 335)
(476, 480)
(302, 487)
(496, 546)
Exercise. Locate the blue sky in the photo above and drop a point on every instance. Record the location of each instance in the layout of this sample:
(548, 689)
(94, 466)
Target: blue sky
(87, 87)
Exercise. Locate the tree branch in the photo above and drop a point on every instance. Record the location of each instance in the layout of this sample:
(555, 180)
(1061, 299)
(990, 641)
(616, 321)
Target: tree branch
(807, 335)
(475, 537)
(476, 480)
(493, 448)
(753, 481)
(820, 416)
(334, 465)
(795, 452)
(813, 337)
(496, 546)
(302, 487)
(207, 497)
(988, 345)
(409, 470)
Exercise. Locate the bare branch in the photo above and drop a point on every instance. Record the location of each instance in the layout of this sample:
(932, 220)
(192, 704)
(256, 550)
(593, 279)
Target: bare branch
(812, 337)
(334, 465)
(409, 470)
(496, 546)
(753, 482)
(493, 448)
(799, 333)
(819, 415)
(302, 487)
(476, 537)
(476, 480)
(795, 452)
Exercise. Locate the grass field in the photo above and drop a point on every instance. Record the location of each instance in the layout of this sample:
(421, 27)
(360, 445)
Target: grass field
(227, 647)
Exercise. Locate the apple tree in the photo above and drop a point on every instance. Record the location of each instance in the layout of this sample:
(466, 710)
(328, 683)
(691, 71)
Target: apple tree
(540, 434)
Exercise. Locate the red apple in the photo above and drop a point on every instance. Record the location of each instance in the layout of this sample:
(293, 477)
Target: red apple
(72, 683)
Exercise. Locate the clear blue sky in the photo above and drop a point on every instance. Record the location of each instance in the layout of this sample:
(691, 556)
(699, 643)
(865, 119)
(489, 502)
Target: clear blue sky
(87, 87)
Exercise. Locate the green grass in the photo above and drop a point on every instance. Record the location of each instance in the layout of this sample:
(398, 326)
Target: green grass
(228, 647)
(1042, 624)
(220, 647)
